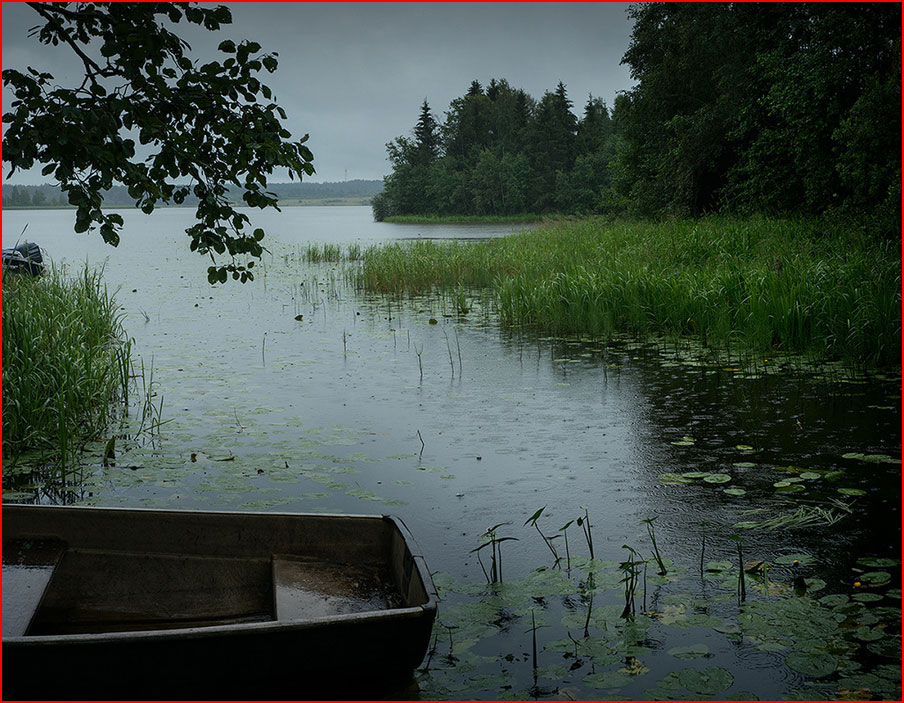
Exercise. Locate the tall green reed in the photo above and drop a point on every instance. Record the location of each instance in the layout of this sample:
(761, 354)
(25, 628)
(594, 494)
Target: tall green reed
(757, 284)
(66, 364)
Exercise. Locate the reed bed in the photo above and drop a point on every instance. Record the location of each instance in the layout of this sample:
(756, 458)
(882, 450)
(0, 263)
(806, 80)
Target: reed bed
(757, 284)
(466, 219)
(316, 253)
(66, 364)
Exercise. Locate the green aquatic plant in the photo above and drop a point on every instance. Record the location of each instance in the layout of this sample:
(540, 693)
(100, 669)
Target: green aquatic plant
(491, 539)
(835, 294)
(652, 532)
(584, 524)
(66, 364)
(532, 520)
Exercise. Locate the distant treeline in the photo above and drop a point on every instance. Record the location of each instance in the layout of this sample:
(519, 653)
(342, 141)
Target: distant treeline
(48, 195)
(776, 108)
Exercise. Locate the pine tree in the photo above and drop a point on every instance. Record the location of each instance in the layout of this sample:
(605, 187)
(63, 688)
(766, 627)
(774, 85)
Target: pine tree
(426, 135)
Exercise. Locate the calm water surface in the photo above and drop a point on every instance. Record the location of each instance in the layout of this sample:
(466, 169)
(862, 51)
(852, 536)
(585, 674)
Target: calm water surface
(334, 413)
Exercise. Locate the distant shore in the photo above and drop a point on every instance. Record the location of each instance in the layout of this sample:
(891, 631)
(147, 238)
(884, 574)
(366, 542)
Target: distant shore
(289, 202)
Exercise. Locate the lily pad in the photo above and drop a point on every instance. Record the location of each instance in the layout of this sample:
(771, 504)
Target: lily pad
(696, 474)
(694, 651)
(609, 679)
(744, 447)
(876, 578)
(878, 562)
(815, 664)
(719, 566)
(744, 464)
(866, 597)
(734, 491)
(809, 476)
(790, 488)
(852, 491)
(717, 478)
(670, 479)
(708, 681)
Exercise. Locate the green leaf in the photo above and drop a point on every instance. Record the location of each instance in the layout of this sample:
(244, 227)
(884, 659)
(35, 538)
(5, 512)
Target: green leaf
(812, 663)
(852, 491)
(693, 651)
(708, 681)
(717, 478)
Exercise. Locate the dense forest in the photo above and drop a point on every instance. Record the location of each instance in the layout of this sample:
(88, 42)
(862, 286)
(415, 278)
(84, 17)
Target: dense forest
(48, 195)
(778, 108)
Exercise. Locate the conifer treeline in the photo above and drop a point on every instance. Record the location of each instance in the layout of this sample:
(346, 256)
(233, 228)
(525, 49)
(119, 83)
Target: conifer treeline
(787, 108)
(500, 152)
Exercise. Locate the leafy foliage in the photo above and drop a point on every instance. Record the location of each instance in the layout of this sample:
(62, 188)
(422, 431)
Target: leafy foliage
(782, 108)
(214, 124)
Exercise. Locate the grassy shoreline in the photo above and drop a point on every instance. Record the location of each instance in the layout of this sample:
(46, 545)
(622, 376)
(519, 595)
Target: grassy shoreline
(66, 363)
(523, 218)
(758, 284)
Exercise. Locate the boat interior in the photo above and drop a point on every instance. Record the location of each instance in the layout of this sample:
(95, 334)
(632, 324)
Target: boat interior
(59, 581)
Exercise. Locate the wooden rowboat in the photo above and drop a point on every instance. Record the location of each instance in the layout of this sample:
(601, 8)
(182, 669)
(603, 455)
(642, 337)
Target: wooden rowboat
(119, 603)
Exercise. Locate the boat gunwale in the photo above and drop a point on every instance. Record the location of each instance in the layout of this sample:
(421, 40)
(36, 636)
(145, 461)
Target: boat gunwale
(425, 609)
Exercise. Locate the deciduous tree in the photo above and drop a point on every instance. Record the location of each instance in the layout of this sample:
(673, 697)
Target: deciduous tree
(204, 128)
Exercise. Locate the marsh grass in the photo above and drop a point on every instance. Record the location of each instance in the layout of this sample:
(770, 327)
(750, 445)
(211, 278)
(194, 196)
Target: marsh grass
(465, 219)
(316, 253)
(756, 284)
(66, 364)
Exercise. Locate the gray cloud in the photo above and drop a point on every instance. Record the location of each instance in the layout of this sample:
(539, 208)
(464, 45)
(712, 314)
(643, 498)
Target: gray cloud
(353, 75)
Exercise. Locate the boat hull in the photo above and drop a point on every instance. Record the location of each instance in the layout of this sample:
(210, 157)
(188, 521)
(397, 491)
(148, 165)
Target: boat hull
(184, 604)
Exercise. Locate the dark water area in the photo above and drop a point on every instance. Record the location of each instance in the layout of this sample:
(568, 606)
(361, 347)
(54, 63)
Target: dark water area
(456, 425)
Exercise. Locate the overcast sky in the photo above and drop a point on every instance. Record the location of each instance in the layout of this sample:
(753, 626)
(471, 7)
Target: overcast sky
(354, 75)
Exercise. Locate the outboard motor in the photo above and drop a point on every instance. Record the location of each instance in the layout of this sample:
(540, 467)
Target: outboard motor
(25, 258)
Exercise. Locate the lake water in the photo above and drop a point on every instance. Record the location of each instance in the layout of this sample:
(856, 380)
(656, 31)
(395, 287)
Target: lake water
(364, 406)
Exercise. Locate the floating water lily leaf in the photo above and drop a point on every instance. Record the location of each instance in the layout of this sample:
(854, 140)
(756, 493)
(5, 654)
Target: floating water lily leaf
(876, 578)
(673, 479)
(810, 476)
(869, 634)
(872, 458)
(683, 443)
(878, 562)
(814, 585)
(887, 647)
(852, 491)
(719, 566)
(609, 679)
(834, 600)
(696, 474)
(781, 484)
(816, 664)
(866, 597)
(744, 465)
(708, 681)
(734, 491)
(790, 488)
(744, 447)
(894, 593)
(717, 478)
(694, 651)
